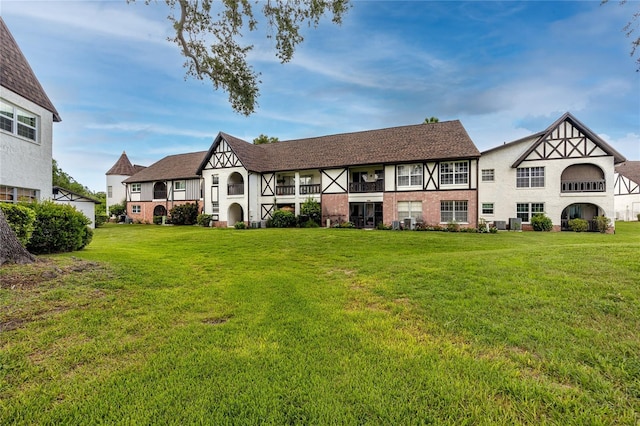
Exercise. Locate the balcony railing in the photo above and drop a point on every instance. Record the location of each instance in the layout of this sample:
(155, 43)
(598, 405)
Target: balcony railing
(159, 195)
(286, 190)
(377, 186)
(313, 188)
(235, 189)
(583, 186)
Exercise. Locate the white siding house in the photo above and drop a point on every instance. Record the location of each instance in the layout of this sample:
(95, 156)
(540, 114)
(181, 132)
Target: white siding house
(565, 171)
(627, 191)
(26, 127)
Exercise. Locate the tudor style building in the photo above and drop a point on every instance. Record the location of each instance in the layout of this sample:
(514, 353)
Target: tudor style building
(155, 190)
(26, 127)
(121, 170)
(420, 173)
(565, 171)
(627, 190)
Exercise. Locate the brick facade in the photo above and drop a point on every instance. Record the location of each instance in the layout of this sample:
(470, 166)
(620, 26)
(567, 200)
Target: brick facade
(431, 204)
(147, 207)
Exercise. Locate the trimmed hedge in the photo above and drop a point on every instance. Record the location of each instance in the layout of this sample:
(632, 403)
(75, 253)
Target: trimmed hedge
(58, 228)
(541, 222)
(282, 219)
(21, 220)
(184, 214)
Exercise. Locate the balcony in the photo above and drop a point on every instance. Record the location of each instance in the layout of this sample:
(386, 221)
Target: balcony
(599, 185)
(377, 186)
(286, 190)
(235, 189)
(313, 188)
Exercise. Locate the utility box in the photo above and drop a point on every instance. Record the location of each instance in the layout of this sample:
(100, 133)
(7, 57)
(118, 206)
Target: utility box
(515, 224)
(501, 225)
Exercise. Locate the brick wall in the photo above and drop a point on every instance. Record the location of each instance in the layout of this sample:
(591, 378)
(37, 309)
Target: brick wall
(430, 204)
(335, 207)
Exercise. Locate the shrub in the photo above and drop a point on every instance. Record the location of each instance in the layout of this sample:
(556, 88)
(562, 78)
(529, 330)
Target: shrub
(311, 209)
(101, 219)
(204, 219)
(638, 217)
(346, 224)
(578, 225)
(240, 225)
(453, 226)
(541, 222)
(157, 220)
(382, 227)
(602, 223)
(58, 228)
(184, 214)
(309, 224)
(282, 219)
(118, 209)
(21, 220)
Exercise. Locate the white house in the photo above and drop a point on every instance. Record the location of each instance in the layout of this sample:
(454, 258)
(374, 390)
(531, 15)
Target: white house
(82, 203)
(26, 127)
(565, 171)
(627, 190)
(410, 174)
(116, 188)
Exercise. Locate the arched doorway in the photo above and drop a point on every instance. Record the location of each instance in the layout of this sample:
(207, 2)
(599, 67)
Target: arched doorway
(159, 191)
(235, 214)
(159, 210)
(586, 211)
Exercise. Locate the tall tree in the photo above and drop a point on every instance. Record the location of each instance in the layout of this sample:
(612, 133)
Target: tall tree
(208, 33)
(263, 139)
(11, 251)
(631, 28)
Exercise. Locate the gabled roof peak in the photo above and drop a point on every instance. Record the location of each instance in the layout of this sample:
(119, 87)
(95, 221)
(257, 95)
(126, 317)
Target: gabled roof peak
(16, 73)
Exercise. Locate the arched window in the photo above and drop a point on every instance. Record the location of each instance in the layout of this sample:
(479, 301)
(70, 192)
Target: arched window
(159, 190)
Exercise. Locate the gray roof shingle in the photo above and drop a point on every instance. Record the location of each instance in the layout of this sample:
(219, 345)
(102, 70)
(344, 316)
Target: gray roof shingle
(16, 73)
(629, 169)
(172, 167)
(420, 142)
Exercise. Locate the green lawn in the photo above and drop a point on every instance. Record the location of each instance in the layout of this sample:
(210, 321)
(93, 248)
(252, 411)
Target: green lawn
(183, 325)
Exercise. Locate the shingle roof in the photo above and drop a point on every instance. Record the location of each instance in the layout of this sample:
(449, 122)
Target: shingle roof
(180, 166)
(16, 73)
(629, 169)
(123, 167)
(428, 141)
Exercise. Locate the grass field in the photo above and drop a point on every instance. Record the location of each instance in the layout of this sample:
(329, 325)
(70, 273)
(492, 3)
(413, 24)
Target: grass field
(184, 325)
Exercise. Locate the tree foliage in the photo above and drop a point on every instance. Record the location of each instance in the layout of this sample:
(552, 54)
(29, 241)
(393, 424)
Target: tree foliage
(63, 180)
(630, 29)
(208, 33)
(58, 228)
(431, 120)
(264, 139)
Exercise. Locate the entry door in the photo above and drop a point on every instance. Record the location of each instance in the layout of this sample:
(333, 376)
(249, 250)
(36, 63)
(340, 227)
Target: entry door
(369, 215)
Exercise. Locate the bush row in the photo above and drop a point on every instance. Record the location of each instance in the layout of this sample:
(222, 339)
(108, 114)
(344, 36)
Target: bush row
(47, 227)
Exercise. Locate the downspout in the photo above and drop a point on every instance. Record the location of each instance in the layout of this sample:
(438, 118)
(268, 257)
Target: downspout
(249, 197)
(478, 192)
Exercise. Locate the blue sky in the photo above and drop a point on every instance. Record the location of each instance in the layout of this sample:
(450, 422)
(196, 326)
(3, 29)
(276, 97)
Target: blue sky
(504, 69)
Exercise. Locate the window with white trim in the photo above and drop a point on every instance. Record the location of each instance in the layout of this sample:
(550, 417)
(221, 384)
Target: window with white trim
(454, 173)
(135, 208)
(530, 177)
(488, 175)
(18, 122)
(215, 180)
(487, 208)
(409, 175)
(526, 210)
(135, 187)
(109, 191)
(179, 185)
(411, 209)
(453, 211)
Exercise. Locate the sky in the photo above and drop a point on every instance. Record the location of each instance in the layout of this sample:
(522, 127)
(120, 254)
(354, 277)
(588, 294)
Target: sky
(506, 70)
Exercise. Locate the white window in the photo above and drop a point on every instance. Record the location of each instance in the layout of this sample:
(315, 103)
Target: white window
(411, 209)
(409, 175)
(18, 122)
(179, 185)
(215, 180)
(215, 207)
(135, 208)
(488, 175)
(109, 191)
(487, 208)
(135, 187)
(526, 210)
(453, 211)
(530, 177)
(454, 173)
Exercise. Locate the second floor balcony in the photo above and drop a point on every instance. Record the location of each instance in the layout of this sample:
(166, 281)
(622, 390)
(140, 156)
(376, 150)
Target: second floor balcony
(376, 186)
(598, 185)
(308, 189)
(235, 189)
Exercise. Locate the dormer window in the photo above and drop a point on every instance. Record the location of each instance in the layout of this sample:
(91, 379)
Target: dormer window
(18, 122)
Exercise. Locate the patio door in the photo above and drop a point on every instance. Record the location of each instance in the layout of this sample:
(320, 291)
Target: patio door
(365, 215)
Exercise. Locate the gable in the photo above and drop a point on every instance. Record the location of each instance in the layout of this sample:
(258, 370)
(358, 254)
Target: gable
(567, 138)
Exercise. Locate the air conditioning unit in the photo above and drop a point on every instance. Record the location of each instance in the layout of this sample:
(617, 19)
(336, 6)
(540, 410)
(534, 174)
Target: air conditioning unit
(409, 223)
(395, 225)
(515, 224)
(501, 225)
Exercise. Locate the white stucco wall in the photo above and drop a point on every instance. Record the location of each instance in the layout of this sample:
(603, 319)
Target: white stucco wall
(23, 162)
(502, 192)
(118, 190)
